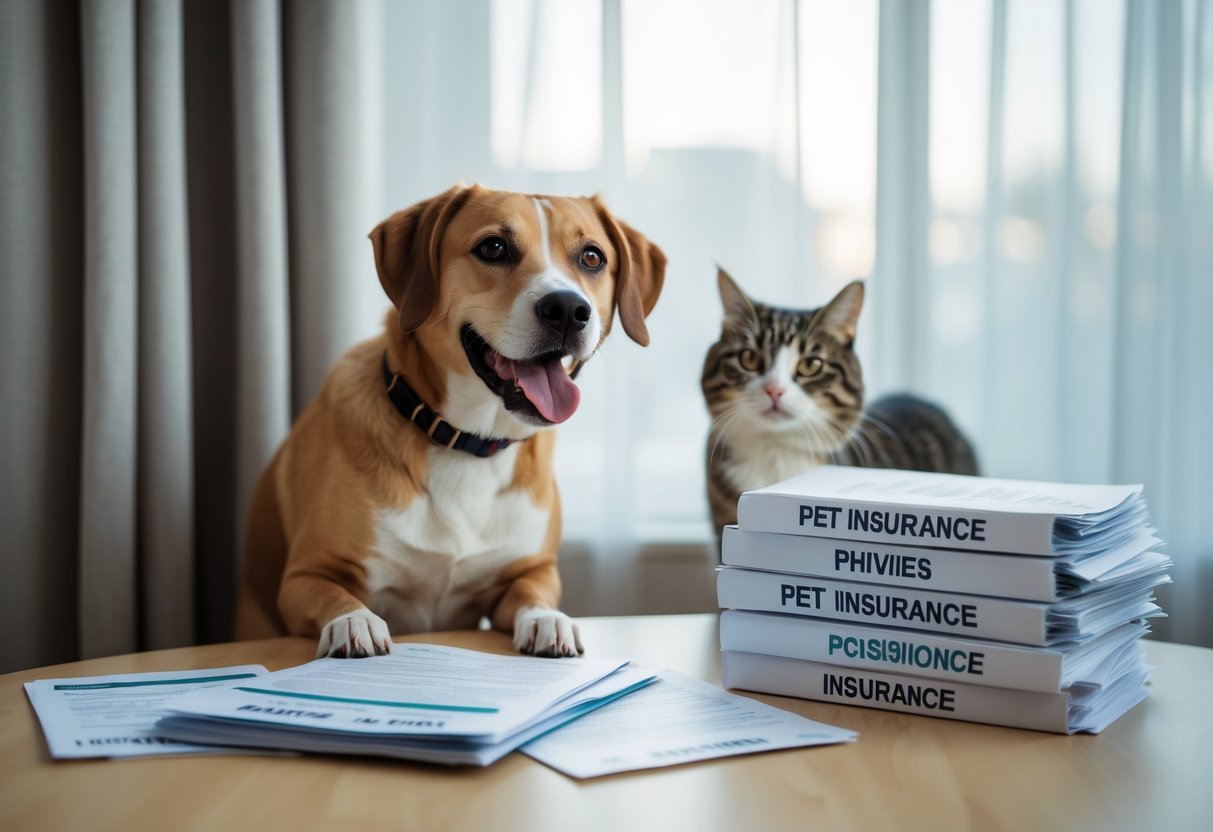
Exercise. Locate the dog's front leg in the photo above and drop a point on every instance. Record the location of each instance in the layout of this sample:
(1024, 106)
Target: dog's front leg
(529, 609)
(313, 603)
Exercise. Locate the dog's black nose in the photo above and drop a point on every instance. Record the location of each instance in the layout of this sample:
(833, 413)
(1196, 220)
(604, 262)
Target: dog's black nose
(563, 312)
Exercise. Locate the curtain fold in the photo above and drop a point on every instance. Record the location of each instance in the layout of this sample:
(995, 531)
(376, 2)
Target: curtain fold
(263, 295)
(899, 301)
(330, 60)
(165, 349)
(108, 566)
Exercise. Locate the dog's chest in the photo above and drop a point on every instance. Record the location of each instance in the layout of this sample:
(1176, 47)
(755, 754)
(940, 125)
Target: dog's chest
(433, 557)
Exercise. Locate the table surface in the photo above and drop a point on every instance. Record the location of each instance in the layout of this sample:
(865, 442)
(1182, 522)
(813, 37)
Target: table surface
(1153, 769)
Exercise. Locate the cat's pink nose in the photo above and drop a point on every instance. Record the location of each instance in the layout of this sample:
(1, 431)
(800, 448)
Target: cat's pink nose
(775, 392)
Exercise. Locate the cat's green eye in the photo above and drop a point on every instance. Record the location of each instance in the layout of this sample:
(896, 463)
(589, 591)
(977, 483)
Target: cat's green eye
(810, 366)
(748, 359)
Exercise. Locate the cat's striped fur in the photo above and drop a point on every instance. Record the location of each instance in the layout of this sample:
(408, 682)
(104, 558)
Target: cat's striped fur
(785, 392)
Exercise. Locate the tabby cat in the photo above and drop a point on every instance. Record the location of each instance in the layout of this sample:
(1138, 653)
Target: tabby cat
(785, 392)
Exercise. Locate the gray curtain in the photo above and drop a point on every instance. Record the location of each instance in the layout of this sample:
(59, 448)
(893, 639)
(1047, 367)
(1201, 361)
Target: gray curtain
(184, 184)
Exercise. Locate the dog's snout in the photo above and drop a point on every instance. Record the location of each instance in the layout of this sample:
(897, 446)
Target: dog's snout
(563, 312)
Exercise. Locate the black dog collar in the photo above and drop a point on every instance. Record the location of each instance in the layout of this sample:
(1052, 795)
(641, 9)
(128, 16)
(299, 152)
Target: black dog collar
(439, 430)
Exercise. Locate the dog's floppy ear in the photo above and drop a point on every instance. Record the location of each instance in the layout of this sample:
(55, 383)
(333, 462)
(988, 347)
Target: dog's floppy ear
(640, 275)
(406, 253)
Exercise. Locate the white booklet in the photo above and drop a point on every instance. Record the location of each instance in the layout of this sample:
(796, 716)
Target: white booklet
(422, 702)
(955, 659)
(950, 511)
(1082, 708)
(114, 716)
(945, 570)
(676, 720)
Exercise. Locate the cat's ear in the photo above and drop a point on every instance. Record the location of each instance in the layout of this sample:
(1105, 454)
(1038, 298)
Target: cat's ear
(842, 313)
(738, 308)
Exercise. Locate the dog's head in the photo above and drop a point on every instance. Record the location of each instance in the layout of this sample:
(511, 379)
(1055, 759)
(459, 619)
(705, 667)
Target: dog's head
(507, 290)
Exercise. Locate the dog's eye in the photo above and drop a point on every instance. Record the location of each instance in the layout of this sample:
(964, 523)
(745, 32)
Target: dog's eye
(748, 359)
(810, 366)
(592, 258)
(492, 250)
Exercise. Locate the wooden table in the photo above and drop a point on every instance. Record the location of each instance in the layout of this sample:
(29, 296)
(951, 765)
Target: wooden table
(1152, 770)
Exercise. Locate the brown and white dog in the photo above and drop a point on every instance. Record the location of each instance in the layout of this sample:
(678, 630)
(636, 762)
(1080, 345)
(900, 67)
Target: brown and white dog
(364, 525)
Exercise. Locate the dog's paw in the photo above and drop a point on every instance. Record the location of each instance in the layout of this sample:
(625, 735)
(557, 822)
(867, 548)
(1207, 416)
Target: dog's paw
(544, 632)
(355, 635)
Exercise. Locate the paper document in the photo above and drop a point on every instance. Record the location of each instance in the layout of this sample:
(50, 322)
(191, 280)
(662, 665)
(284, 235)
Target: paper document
(421, 702)
(1087, 708)
(113, 716)
(675, 720)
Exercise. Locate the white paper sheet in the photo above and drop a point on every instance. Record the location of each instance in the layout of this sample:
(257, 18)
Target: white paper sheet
(675, 720)
(113, 716)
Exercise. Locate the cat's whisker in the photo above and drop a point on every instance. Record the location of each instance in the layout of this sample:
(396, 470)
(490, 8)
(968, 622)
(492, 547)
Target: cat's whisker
(725, 423)
(818, 444)
(847, 438)
(862, 448)
(824, 437)
(881, 424)
(864, 451)
(887, 461)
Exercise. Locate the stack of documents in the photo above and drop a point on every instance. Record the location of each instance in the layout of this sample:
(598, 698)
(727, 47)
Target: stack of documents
(422, 702)
(1003, 601)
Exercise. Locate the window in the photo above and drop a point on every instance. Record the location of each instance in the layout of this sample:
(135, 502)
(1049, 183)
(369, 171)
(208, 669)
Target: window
(1025, 184)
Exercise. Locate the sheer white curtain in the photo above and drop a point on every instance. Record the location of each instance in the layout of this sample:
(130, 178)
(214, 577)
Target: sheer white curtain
(1026, 184)
(1068, 250)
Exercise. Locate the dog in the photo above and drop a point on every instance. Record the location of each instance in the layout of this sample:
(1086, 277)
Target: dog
(416, 492)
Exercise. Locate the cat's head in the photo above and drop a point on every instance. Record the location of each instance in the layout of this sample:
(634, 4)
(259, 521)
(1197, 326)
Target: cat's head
(790, 372)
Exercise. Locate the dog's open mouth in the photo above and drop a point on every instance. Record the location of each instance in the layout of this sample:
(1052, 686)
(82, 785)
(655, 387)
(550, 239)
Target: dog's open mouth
(538, 387)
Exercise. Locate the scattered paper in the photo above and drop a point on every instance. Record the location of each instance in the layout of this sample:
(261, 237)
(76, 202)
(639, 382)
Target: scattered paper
(114, 716)
(423, 702)
(675, 720)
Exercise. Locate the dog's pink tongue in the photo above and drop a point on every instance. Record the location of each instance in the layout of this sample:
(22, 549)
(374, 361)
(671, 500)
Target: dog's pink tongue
(549, 388)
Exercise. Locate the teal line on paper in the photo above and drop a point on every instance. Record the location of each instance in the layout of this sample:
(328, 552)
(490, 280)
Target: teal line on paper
(197, 680)
(472, 709)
